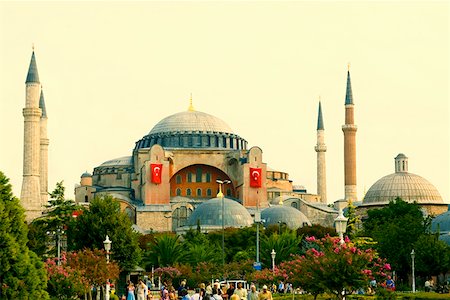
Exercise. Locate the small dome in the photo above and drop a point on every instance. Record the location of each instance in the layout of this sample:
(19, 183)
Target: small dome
(407, 186)
(441, 222)
(86, 174)
(293, 218)
(209, 214)
(191, 121)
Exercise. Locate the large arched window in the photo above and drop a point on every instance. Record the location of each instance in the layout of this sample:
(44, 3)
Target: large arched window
(199, 192)
(188, 192)
(189, 177)
(209, 192)
(208, 177)
(178, 179)
(178, 192)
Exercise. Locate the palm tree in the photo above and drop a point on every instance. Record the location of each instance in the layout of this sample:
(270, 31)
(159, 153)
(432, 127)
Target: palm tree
(284, 244)
(165, 251)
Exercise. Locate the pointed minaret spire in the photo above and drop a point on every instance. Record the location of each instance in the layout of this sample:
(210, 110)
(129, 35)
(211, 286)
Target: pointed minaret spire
(321, 148)
(319, 118)
(191, 107)
(42, 104)
(32, 75)
(348, 94)
(349, 129)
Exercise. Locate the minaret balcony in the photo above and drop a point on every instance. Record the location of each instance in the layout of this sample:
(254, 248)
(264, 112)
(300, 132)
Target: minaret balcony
(320, 148)
(349, 127)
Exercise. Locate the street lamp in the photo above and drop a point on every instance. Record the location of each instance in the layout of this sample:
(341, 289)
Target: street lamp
(413, 254)
(107, 244)
(220, 195)
(58, 234)
(341, 224)
(273, 254)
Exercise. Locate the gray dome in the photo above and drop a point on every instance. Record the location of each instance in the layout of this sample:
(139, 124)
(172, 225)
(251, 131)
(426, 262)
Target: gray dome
(293, 218)
(441, 222)
(209, 214)
(191, 121)
(409, 187)
(86, 174)
(192, 129)
(445, 238)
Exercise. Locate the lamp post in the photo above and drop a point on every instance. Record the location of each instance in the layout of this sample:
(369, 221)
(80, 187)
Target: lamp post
(413, 254)
(341, 224)
(107, 244)
(273, 254)
(220, 195)
(57, 234)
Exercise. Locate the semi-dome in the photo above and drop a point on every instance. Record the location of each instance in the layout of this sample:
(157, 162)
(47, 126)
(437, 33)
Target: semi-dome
(278, 214)
(209, 214)
(407, 186)
(192, 129)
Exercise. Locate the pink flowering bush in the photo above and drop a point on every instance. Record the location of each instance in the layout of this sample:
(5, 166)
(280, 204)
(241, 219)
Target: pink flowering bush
(64, 282)
(328, 266)
(167, 274)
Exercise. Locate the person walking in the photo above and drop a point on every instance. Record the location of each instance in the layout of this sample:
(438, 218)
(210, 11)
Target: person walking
(253, 294)
(240, 291)
(140, 290)
(265, 294)
(130, 295)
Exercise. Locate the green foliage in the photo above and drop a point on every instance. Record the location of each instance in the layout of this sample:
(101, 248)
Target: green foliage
(165, 251)
(285, 245)
(396, 228)
(317, 231)
(103, 218)
(22, 274)
(432, 256)
(353, 222)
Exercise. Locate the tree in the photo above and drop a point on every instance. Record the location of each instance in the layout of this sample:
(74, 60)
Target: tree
(103, 217)
(432, 256)
(396, 228)
(353, 222)
(329, 266)
(284, 245)
(64, 282)
(22, 274)
(165, 251)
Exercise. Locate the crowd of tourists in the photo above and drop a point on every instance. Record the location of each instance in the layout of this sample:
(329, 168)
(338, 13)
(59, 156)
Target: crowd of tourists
(214, 291)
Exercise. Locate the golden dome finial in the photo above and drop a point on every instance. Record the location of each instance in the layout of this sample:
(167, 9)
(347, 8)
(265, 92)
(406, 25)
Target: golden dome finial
(32, 47)
(281, 199)
(348, 66)
(191, 107)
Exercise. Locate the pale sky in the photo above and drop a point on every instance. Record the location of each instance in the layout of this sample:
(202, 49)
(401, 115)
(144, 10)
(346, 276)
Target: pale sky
(112, 70)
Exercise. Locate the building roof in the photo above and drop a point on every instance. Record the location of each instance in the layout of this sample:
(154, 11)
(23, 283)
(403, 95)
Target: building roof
(277, 214)
(191, 121)
(86, 174)
(209, 214)
(32, 75)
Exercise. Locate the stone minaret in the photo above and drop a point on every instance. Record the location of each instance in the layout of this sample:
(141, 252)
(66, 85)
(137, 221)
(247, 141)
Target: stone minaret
(43, 162)
(30, 196)
(321, 163)
(349, 130)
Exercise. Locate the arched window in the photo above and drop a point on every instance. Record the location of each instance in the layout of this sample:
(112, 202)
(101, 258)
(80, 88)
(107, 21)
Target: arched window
(188, 192)
(228, 192)
(85, 198)
(189, 177)
(199, 175)
(209, 192)
(208, 177)
(199, 192)
(294, 205)
(178, 192)
(178, 179)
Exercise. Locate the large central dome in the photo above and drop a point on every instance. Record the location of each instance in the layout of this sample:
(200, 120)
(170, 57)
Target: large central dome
(192, 129)
(191, 121)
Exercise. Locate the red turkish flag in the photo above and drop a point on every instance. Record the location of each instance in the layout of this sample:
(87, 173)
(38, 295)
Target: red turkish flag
(255, 177)
(156, 172)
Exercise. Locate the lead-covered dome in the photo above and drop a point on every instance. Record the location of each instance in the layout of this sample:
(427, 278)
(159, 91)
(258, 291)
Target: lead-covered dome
(209, 215)
(280, 214)
(192, 129)
(407, 186)
(192, 121)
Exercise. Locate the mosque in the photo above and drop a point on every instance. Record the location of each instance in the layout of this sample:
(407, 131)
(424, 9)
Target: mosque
(192, 169)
